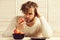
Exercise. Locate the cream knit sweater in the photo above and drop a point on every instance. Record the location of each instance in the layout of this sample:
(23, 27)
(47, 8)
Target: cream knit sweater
(40, 29)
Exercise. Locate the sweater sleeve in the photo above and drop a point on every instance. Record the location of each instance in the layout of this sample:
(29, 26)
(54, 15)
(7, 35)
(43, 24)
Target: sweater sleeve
(46, 29)
(9, 30)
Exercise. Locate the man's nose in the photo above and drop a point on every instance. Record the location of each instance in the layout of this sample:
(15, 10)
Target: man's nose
(27, 16)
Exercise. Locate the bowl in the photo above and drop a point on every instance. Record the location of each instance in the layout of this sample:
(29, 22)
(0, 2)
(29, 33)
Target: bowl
(18, 36)
(38, 38)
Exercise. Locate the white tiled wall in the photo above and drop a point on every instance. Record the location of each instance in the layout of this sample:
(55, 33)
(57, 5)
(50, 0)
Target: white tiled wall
(7, 12)
(54, 16)
(49, 8)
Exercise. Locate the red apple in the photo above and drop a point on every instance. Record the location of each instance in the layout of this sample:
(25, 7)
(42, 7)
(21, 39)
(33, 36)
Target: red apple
(16, 31)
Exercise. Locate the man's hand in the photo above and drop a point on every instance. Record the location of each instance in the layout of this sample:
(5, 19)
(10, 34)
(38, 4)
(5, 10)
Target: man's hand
(20, 23)
(20, 20)
(38, 12)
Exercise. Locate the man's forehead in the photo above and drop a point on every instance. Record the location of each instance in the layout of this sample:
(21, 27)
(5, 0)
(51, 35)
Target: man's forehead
(29, 10)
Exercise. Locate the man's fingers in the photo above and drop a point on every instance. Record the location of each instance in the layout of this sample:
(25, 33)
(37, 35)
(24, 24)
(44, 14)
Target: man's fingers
(39, 13)
(20, 20)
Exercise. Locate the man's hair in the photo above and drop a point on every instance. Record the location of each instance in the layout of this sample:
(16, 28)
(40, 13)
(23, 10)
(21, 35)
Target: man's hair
(28, 5)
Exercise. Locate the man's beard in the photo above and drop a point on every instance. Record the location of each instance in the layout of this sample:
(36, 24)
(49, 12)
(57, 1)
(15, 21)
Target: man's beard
(28, 21)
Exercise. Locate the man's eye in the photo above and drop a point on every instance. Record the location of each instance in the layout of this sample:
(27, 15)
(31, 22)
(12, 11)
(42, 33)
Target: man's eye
(30, 13)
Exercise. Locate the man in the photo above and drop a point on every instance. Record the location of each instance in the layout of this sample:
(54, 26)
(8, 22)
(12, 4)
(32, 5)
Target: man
(34, 24)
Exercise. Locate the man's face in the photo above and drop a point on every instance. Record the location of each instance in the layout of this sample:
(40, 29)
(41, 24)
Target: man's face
(29, 15)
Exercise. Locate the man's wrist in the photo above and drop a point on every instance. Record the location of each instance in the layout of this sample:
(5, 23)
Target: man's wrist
(39, 16)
